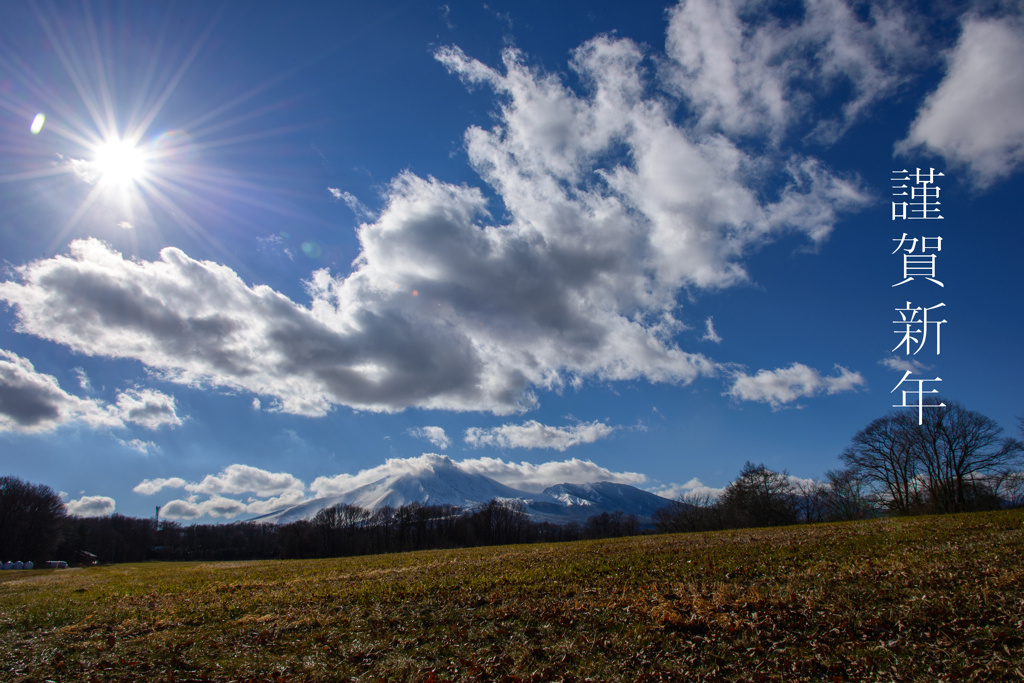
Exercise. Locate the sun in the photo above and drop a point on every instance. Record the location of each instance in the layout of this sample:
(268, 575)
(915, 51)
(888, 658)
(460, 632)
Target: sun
(119, 163)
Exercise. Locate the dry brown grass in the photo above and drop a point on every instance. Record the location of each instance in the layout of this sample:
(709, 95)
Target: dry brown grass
(918, 599)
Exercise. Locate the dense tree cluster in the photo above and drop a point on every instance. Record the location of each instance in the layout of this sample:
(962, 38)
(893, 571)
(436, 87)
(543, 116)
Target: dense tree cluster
(30, 520)
(337, 531)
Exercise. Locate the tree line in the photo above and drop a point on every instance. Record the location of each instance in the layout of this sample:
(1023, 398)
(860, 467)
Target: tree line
(34, 526)
(955, 460)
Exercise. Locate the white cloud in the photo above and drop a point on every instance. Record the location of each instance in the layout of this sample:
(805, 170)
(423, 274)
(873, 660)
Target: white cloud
(710, 334)
(256, 506)
(139, 445)
(147, 407)
(32, 401)
(256, 404)
(694, 487)
(352, 202)
(272, 490)
(148, 487)
(245, 479)
(785, 385)
(83, 379)
(274, 245)
(84, 170)
(90, 506)
(524, 476)
(276, 490)
(434, 435)
(215, 506)
(903, 364)
(529, 477)
(613, 209)
(533, 434)
(974, 116)
(747, 72)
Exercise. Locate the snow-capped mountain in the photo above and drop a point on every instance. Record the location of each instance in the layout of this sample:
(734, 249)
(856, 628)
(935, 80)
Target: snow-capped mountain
(441, 482)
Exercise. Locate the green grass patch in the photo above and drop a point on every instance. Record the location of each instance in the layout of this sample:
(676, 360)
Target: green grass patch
(914, 599)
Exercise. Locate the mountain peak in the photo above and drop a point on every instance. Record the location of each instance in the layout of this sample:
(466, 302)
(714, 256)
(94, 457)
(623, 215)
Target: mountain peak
(437, 480)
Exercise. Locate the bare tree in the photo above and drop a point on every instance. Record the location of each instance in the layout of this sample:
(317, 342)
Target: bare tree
(883, 455)
(958, 451)
(846, 496)
(811, 500)
(690, 512)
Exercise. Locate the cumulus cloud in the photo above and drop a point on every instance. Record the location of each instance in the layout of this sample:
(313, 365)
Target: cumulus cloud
(271, 490)
(974, 117)
(32, 401)
(434, 435)
(233, 479)
(693, 488)
(533, 434)
(215, 506)
(524, 476)
(147, 407)
(245, 479)
(785, 385)
(612, 209)
(90, 506)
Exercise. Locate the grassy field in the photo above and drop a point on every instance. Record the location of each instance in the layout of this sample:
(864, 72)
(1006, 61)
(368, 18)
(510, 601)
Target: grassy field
(917, 599)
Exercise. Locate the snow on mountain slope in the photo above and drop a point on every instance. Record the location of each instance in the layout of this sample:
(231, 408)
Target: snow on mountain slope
(605, 495)
(441, 482)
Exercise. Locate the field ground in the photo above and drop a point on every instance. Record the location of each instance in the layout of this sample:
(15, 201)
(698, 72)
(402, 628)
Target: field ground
(914, 599)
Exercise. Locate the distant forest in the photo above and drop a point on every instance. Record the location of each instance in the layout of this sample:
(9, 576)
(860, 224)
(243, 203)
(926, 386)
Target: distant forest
(956, 460)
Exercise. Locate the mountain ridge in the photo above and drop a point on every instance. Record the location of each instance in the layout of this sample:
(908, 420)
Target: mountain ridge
(440, 481)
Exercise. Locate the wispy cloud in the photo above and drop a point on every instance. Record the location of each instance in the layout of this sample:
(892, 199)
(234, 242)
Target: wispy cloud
(903, 364)
(352, 202)
(139, 445)
(710, 334)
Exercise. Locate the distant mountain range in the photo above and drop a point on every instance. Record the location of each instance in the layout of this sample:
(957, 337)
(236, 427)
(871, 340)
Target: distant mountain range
(442, 482)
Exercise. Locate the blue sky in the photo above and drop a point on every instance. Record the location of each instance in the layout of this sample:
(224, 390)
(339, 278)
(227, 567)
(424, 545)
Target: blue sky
(253, 255)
